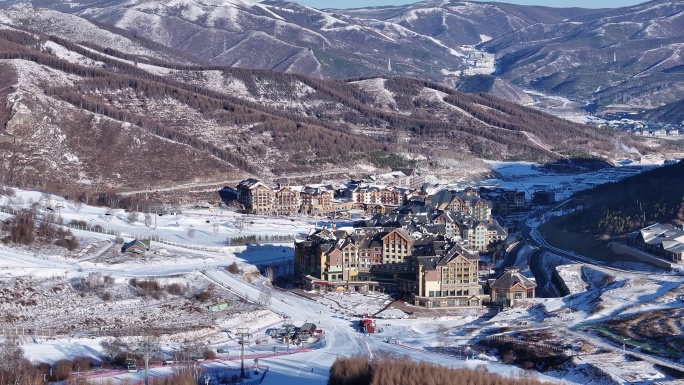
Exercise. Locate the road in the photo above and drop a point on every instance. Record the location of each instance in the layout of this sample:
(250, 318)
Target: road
(545, 286)
(542, 275)
(232, 182)
(601, 343)
(530, 231)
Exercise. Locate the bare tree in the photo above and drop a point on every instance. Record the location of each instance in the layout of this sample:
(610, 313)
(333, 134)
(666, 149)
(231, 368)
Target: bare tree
(132, 217)
(148, 220)
(442, 332)
(240, 222)
(13, 364)
(265, 297)
(189, 366)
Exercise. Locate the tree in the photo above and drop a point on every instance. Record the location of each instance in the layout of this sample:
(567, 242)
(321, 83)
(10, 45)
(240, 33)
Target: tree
(442, 332)
(191, 233)
(15, 369)
(188, 366)
(233, 268)
(265, 297)
(148, 220)
(132, 217)
(240, 222)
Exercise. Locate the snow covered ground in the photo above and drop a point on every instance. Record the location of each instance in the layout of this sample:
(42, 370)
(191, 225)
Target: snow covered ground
(51, 279)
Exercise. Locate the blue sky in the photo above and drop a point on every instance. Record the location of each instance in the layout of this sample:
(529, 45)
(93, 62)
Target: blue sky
(552, 3)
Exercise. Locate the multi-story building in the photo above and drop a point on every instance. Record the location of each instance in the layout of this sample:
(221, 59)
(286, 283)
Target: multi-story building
(389, 195)
(449, 280)
(479, 235)
(514, 197)
(475, 232)
(431, 271)
(286, 199)
(467, 202)
(256, 197)
(316, 200)
(397, 249)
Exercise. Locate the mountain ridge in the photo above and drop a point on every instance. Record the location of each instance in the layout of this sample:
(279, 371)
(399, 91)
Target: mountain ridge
(242, 120)
(429, 39)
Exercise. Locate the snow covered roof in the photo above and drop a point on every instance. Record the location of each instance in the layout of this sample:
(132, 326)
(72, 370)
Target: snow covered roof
(510, 278)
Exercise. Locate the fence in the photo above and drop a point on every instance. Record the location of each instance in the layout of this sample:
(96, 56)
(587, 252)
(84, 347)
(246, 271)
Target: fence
(240, 241)
(227, 374)
(217, 375)
(22, 331)
(515, 340)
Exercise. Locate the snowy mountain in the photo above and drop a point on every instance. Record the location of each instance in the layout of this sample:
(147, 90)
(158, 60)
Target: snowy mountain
(626, 59)
(85, 116)
(608, 59)
(425, 39)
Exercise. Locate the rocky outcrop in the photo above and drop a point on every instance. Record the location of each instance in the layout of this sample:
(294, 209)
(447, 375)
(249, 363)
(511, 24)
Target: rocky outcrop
(21, 117)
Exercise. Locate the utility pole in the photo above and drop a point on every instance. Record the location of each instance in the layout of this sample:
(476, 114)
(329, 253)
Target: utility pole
(288, 325)
(147, 347)
(243, 339)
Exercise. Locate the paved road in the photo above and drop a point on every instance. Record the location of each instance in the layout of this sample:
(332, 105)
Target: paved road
(543, 273)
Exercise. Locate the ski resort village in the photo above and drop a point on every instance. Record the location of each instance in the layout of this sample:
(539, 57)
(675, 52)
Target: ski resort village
(269, 282)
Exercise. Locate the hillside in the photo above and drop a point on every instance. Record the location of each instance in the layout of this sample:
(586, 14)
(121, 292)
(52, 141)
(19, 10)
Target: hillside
(622, 59)
(290, 37)
(614, 209)
(86, 116)
(672, 113)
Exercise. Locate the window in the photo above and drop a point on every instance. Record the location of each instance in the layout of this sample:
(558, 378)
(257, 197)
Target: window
(517, 295)
(431, 294)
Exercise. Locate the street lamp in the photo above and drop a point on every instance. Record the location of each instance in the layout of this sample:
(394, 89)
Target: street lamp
(624, 343)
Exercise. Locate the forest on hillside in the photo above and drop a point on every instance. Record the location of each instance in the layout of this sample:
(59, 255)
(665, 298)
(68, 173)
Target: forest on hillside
(276, 129)
(630, 204)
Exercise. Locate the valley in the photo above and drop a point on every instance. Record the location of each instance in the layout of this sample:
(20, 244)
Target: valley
(122, 296)
(262, 192)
